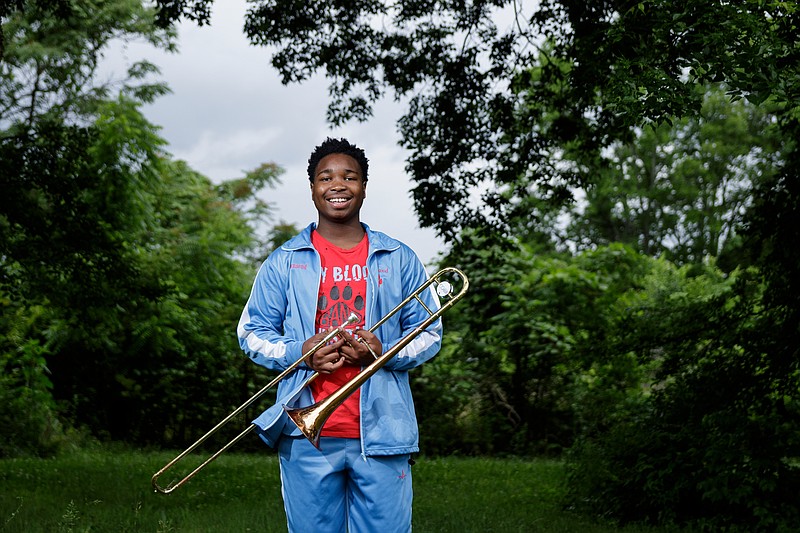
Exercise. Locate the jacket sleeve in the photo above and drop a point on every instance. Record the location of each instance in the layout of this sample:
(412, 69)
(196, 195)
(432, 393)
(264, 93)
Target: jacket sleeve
(261, 326)
(427, 344)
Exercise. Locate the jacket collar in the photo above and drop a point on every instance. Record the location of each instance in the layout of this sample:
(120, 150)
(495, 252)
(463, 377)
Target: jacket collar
(377, 240)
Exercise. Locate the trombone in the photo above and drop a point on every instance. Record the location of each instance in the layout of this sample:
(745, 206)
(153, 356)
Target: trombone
(311, 419)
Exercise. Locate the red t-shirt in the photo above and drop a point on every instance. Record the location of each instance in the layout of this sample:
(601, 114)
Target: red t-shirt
(342, 290)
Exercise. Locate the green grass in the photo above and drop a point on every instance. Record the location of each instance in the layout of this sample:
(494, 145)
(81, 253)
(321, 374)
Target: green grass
(105, 491)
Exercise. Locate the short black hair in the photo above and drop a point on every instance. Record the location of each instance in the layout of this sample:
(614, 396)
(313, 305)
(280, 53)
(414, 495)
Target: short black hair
(337, 146)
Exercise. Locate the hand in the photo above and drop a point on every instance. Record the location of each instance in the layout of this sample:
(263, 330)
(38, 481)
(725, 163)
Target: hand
(355, 351)
(327, 359)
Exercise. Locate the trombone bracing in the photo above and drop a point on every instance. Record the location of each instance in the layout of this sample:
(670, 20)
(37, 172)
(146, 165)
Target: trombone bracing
(311, 419)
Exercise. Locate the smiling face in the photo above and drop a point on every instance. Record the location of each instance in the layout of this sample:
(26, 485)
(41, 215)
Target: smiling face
(338, 189)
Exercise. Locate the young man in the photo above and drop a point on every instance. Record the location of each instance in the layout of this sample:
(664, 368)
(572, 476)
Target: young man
(360, 477)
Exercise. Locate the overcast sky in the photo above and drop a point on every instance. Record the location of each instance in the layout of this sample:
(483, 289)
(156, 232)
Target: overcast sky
(228, 113)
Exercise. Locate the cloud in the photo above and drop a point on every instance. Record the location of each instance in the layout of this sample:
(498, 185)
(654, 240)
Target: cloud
(224, 156)
(228, 113)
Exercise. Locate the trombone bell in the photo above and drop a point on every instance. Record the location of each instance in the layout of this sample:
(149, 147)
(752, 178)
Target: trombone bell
(310, 421)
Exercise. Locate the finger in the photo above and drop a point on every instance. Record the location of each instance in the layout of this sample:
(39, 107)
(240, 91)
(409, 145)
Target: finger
(370, 342)
(326, 355)
(367, 335)
(348, 338)
(331, 366)
(314, 340)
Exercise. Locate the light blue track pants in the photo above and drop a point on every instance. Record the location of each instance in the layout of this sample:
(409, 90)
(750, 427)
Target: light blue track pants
(335, 489)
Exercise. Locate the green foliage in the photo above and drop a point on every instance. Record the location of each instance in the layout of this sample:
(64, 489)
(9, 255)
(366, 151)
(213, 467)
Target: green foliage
(480, 125)
(52, 51)
(544, 320)
(133, 258)
(124, 267)
(452, 412)
(27, 410)
(679, 190)
(716, 443)
(526, 362)
(165, 346)
(170, 11)
(674, 389)
(454, 393)
(713, 442)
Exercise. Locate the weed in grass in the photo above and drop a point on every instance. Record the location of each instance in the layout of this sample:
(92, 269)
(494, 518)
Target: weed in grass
(15, 511)
(69, 519)
(165, 526)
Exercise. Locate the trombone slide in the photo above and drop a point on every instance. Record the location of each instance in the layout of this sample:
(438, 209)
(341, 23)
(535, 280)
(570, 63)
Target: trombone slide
(311, 419)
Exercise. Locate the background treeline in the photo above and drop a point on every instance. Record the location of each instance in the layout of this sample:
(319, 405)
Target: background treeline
(624, 183)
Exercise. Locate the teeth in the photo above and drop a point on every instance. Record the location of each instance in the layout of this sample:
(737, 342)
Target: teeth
(337, 200)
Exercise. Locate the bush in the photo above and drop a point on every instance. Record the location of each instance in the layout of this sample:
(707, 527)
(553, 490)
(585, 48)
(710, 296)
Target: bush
(715, 445)
(27, 413)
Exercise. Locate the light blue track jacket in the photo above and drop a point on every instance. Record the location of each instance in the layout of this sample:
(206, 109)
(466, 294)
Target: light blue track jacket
(279, 317)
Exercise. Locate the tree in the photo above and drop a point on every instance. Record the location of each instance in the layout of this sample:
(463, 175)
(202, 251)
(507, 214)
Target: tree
(474, 112)
(124, 267)
(52, 51)
(681, 189)
(712, 442)
(169, 11)
(49, 94)
(531, 328)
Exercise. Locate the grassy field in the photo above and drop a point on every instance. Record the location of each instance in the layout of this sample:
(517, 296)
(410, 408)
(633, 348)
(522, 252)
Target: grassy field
(105, 491)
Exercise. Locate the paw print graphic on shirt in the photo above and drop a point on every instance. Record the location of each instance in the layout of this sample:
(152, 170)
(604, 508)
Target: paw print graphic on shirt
(338, 305)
